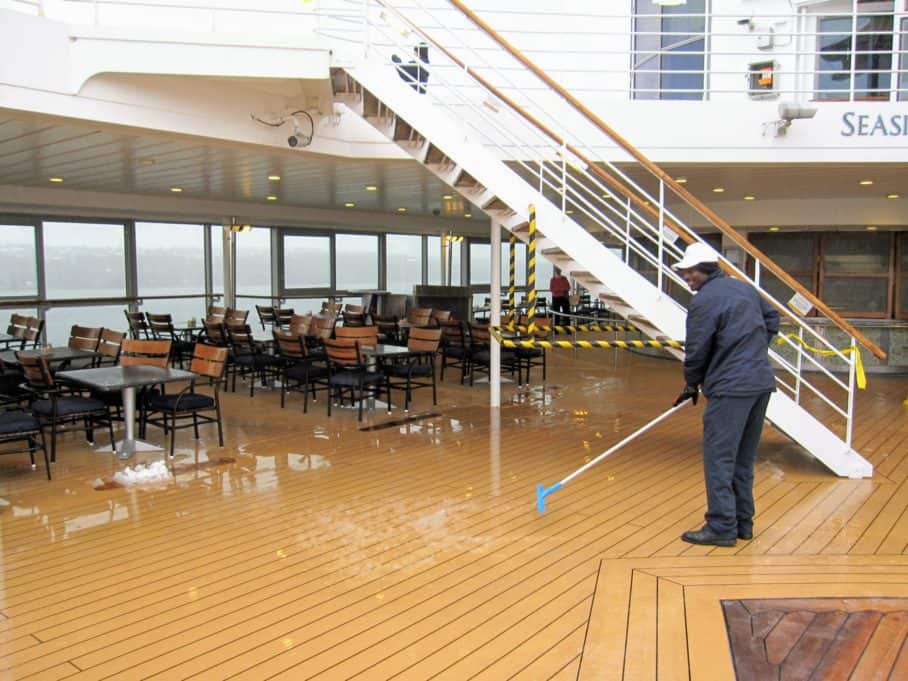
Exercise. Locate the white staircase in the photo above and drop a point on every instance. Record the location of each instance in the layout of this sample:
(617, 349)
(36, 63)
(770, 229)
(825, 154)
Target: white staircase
(451, 142)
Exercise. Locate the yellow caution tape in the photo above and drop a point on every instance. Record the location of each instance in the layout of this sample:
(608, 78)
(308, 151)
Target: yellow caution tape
(571, 329)
(859, 374)
(586, 344)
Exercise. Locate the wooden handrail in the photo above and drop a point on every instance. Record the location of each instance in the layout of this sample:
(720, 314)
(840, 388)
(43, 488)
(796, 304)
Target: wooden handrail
(689, 198)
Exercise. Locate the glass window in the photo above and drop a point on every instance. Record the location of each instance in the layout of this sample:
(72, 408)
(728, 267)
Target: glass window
(18, 265)
(669, 50)
(83, 260)
(903, 61)
(356, 257)
(855, 273)
(404, 262)
(434, 254)
(544, 272)
(170, 260)
(794, 253)
(253, 262)
(520, 262)
(217, 259)
(59, 320)
(870, 46)
(480, 264)
(307, 261)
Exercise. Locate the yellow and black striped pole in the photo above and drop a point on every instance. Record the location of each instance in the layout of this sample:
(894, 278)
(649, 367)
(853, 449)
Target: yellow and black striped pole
(531, 271)
(512, 280)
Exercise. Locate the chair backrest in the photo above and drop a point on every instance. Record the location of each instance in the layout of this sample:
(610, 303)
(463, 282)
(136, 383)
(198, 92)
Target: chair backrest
(299, 324)
(419, 316)
(84, 337)
(479, 335)
(453, 334)
(139, 352)
(424, 340)
(241, 338)
(365, 335)
(37, 372)
(543, 325)
(17, 325)
(343, 351)
(33, 329)
(266, 314)
(330, 308)
(289, 345)
(161, 326)
(439, 316)
(216, 311)
(236, 317)
(322, 326)
(354, 318)
(353, 309)
(208, 360)
(283, 315)
(138, 326)
(110, 342)
(215, 333)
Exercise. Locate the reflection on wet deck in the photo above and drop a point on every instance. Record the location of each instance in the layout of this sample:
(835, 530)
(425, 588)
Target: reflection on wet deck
(311, 547)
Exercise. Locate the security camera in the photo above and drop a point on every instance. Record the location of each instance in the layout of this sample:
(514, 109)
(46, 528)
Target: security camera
(293, 140)
(749, 23)
(790, 111)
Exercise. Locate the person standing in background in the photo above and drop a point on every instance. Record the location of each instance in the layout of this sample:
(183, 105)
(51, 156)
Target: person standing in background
(729, 329)
(560, 288)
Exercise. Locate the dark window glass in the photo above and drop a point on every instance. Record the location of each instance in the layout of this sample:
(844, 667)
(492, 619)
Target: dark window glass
(871, 51)
(669, 50)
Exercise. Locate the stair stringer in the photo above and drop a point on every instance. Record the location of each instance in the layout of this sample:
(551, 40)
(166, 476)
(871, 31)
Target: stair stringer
(630, 294)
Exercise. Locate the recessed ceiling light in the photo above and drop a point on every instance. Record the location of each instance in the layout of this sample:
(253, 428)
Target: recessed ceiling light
(57, 180)
(718, 190)
(892, 196)
(349, 204)
(468, 215)
(271, 198)
(749, 198)
(401, 210)
(871, 228)
(147, 161)
(371, 188)
(274, 178)
(447, 197)
(569, 211)
(773, 229)
(176, 190)
(607, 196)
(681, 180)
(866, 182)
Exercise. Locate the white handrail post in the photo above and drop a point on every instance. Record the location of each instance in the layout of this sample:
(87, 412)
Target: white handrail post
(852, 369)
(799, 365)
(495, 313)
(661, 226)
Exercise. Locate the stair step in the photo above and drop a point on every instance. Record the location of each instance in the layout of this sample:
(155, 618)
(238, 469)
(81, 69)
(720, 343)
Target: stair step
(497, 204)
(371, 105)
(611, 298)
(404, 132)
(557, 252)
(435, 156)
(466, 181)
(522, 227)
(582, 274)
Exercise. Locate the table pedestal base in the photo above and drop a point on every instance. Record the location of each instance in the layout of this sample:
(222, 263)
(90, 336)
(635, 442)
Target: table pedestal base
(126, 448)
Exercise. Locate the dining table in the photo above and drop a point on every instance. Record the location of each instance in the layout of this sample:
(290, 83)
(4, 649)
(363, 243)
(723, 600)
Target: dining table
(127, 379)
(53, 355)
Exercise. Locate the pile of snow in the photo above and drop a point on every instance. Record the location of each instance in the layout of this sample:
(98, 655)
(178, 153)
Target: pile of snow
(153, 472)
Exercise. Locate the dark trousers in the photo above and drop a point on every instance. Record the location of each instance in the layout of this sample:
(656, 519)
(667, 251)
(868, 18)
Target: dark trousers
(561, 304)
(731, 434)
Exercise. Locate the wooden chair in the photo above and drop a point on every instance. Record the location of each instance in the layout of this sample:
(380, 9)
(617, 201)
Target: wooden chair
(34, 327)
(216, 311)
(283, 315)
(236, 317)
(249, 359)
(439, 316)
(17, 425)
(138, 325)
(350, 374)
(299, 372)
(161, 326)
(419, 316)
(82, 338)
(455, 348)
(353, 318)
(266, 315)
(299, 324)
(189, 405)
(18, 323)
(417, 368)
(132, 352)
(55, 406)
(364, 335)
(481, 354)
(527, 358)
(109, 345)
(388, 329)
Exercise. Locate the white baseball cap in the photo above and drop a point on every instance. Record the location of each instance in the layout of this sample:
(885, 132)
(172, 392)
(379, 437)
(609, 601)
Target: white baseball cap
(695, 254)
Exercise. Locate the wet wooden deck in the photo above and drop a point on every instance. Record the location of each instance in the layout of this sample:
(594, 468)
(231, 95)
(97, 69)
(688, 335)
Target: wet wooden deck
(321, 548)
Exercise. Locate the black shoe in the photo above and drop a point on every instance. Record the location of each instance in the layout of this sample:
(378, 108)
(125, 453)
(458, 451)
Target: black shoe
(707, 536)
(745, 533)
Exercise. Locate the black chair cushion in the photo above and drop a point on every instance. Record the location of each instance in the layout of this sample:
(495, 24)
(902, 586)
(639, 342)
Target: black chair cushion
(188, 401)
(301, 372)
(525, 353)
(257, 361)
(351, 379)
(69, 406)
(17, 423)
(404, 370)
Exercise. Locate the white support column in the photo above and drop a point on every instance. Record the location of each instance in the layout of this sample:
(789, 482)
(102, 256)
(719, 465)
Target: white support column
(495, 313)
(229, 256)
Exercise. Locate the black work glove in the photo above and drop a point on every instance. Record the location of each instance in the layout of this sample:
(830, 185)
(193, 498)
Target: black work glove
(690, 392)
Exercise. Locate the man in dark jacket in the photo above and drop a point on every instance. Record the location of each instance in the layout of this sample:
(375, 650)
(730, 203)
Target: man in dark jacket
(729, 328)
